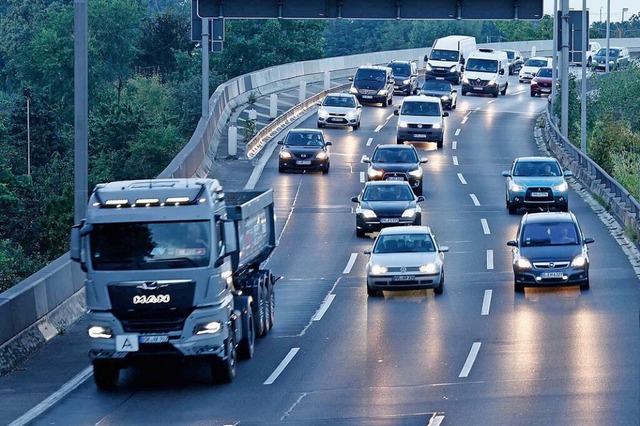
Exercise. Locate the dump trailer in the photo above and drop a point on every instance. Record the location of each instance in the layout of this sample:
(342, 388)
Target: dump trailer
(173, 270)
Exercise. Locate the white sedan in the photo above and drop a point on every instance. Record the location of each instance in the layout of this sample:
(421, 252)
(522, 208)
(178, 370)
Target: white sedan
(405, 258)
(339, 109)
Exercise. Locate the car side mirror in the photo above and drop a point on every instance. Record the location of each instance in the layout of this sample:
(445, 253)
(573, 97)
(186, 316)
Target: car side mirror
(512, 243)
(426, 58)
(354, 199)
(588, 240)
(454, 91)
(501, 72)
(350, 78)
(328, 143)
(445, 114)
(365, 159)
(567, 173)
(443, 249)
(366, 251)
(424, 160)
(506, 173)
(358, 106)
(396, 112)
(280, 143)
(420, 198)
(319, 104)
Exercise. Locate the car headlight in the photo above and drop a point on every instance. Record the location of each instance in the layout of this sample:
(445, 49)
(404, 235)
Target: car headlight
(515, 187)
(428, 68)
(351, 115)
(523, 263)
(368, 213)
(579, 261)
(409, 213)
(322, 155)
(99, 332)
(453, 68)
(465, 80)
(436, 126)
(322, 113)
(492, 82)
(561, 187)
(285, 155)
(416, 173)
(353, 91)
(378, 269)
(382, 92)
(429, 268)
(403, 124)
(407, 81)
(534, 83)
(212, 327)
(445, 98)
(374, 174)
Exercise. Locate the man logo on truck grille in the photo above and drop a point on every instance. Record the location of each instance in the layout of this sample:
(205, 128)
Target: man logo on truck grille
(150, 285)
(152, 299)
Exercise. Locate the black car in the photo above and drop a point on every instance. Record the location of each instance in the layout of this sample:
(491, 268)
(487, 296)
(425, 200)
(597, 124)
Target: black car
(550, 250)
(405, 75)
(515, 60)
(396, 162)
(386, 203)
(443, 90)
(304, 149)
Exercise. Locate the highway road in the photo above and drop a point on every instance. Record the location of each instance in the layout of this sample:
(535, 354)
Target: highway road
(479, 354)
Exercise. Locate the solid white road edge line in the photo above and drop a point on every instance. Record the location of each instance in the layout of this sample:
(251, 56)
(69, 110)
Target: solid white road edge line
(464, 182)
(54, 397)
(323, 308)
(471, 358)
(485, 226)
(475, 200)
(486, 302)
(280, 368)
(489, 259)
(352, 260)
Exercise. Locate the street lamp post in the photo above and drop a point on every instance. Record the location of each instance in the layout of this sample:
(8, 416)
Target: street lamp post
(624, 9)
(27, 94)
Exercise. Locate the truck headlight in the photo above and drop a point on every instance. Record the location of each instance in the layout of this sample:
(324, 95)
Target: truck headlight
(212, 327)
(465, 80)
(453, 68)
(523, 263)
(428, 68)
(378, 269)
(429, 268)
(444, 98)
(382, 92)
(405, 82)
(99, 332)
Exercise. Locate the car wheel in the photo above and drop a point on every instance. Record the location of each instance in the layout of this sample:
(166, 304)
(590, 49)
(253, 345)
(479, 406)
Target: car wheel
(372, 292)
(439, 289)
(359, 232)
(390, 101)
(320, 125)
(517, 287)
(512, 209)
(325, 170)
(510, 70)
(418, 190)
(584, 285)
(440, 143)
(495, 94)
(504, 91)
(455, 104)
(246, 346)
(281, 169)
(464, 93)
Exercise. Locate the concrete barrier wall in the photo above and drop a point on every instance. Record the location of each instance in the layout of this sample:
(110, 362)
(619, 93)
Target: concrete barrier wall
(38, 308)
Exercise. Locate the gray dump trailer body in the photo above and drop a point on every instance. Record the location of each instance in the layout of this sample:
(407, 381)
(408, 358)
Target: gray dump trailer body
(173, 269)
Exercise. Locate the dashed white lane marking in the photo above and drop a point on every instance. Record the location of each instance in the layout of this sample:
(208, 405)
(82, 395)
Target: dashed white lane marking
(369, 141)
(54, 398)
(455, 160)
(280, 368)
(361, 177)
(457, 132)
(475, 200)
(454, 145)
(377, 129)
(464, 182)
(464, 120)
(352, 260)
(436, 420)
(492, 101)
(476, 110)
(486, 302)
(485, 226)
(489, 259)
(471, 358)
(325, 305)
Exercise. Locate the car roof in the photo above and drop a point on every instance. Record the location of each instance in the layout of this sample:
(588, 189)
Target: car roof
(421, 98)
(387, 183)
(548, 217)
(375, 67)
(543, 58)
(395, 146)
(412, 229)
(536, 159)
(341, 95)
(302, 130)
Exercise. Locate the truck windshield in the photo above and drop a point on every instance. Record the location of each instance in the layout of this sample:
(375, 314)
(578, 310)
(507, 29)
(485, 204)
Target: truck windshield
(444, 55)
(150, 245)
(482, 65)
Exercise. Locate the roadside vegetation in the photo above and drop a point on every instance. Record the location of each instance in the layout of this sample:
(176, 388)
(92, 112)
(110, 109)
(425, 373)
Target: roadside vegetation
(144, 97)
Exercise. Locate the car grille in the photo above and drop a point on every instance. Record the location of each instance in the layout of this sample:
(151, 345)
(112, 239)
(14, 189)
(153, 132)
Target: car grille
(304, 156)
(420, 126)
(479, 83)
(403, 269)
(367, 91)
(551, 265)
(529, 195)
(544, 84)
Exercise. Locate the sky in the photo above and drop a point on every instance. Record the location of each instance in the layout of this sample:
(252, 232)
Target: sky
(596, 6)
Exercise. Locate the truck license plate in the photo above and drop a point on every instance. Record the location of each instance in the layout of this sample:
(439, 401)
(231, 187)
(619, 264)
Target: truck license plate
(153, 339)
(127, 343)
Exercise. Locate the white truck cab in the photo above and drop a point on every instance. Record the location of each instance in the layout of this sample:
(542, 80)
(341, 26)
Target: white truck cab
(487, 71)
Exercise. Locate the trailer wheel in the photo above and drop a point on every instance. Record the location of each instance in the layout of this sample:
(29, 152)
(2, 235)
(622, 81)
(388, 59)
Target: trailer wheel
(246, 347)
(224, 370)
(272, 304)
(260, 317)
(105, 375)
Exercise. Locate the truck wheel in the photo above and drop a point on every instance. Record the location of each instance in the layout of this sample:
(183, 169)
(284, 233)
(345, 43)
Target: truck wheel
(246, 347)
(105, 375)
(271, 319)
(224, 370)
(260, 315)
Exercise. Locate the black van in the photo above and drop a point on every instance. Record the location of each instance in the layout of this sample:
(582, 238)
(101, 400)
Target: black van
(373, 84)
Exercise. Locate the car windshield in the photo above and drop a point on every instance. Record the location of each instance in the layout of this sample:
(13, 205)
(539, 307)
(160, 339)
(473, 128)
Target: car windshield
(549, 234)
(482, 65)
(537, 168)
(443, 55)
(304, 139)
(404, 243)
(387, 193)
(339, 101)
(612, 52)
(150, 245)
(370, 75)
(429, 109)
(545, 72)
(394, 156)
(401, 69)
(536, 63)
(510, 54)
(439, 86)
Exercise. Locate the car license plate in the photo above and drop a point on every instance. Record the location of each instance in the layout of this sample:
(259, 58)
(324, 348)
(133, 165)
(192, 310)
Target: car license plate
(551, 275)
(439, 78)
(303, 162)
(154, 339)
(403, 278)
(394, 178)
(545, 90)
(389, 220)
(367, 97)
(127, 343)
(539, 194)
(419, 135)
(477, 88)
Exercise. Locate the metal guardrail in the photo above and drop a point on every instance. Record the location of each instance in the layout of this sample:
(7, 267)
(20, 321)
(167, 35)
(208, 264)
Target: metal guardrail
(620, 202)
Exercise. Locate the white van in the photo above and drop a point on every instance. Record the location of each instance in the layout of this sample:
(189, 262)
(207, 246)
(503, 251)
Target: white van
(447, 58)
(487, 71)
(421, 118)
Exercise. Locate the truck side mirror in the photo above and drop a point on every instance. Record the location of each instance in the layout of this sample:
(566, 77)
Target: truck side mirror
(229, 237)
(75, 252)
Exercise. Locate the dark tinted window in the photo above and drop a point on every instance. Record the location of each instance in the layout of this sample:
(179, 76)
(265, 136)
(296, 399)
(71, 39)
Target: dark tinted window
(545, 72)
(304, 139)
(436, 85)
(549, 234)
(482, 65)
(421, 108)
(370, 75)
(395, 156)
(400, 69)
